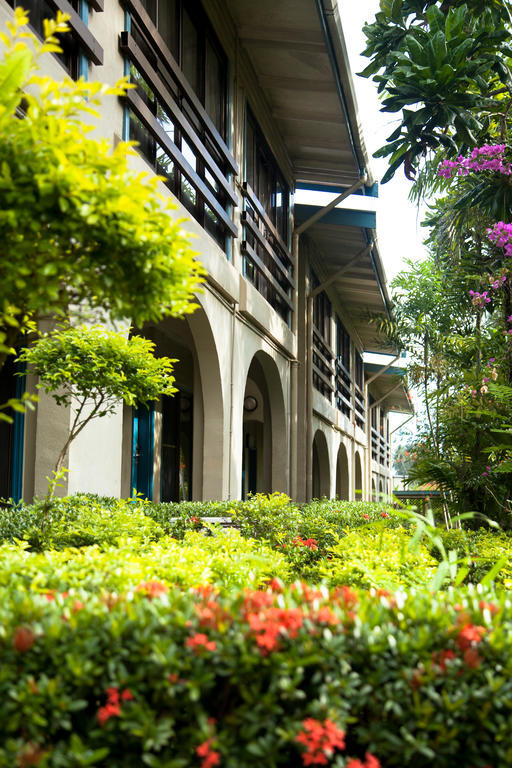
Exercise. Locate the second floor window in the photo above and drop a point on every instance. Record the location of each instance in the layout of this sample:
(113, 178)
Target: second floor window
(188, 36)
(342, 345)
(38, 11)
(265, 178)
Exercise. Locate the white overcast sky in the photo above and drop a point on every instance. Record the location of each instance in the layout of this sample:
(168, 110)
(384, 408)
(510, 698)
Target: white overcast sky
(399, 233)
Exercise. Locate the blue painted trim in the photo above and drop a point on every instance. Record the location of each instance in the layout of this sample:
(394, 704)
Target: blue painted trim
(126, 113)
(143, 436)
(339, 217)
(372, 191)
(18, 439)
(83, 63)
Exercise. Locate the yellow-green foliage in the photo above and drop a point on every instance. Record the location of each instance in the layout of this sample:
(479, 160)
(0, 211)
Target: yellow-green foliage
(376, 556)
(223, 558)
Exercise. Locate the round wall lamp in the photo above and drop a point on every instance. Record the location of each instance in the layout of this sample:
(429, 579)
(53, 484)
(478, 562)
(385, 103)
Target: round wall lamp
(250, 404)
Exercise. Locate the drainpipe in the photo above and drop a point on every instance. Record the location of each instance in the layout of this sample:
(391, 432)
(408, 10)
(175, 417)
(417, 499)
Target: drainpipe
(231, 390)
(298, 231)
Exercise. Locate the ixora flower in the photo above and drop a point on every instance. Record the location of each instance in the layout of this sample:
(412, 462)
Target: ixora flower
(113, 706)
(152, 588)
(200, 641)
(208, 756)
(320, 740)
(370, 761)
(23, 639)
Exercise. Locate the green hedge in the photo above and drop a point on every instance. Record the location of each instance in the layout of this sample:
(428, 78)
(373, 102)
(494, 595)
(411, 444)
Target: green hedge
(173, 678)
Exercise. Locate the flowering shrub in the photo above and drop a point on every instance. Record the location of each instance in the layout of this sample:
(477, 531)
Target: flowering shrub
(490, 157)
(182, 678)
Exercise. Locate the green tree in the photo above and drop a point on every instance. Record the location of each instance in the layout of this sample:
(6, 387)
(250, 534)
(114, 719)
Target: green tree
(91, 370)
(445, 67)
(79, 229)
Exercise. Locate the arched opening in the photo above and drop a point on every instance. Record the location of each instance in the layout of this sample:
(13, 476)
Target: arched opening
(381, 491)
(321, 474)
(177, 445)
(374, 491)
(358, 477)
(265, 445)
(342, 475)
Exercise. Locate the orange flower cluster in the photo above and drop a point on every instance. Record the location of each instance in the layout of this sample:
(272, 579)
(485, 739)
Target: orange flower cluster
(152, 589)
(208, 756)
(320, 741)
(310, 543)
(113, 706)
(200, 641)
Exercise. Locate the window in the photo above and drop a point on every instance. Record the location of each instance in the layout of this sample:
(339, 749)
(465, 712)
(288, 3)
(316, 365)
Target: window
(181, 76)
(265, 178)
(322, 312)
(342, 345)
(79, 41)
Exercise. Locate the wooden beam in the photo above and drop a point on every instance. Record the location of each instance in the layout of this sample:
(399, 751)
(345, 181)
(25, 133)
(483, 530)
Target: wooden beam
(80, 31)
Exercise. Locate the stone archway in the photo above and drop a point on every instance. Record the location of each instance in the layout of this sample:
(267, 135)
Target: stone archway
(342, 474)
(358, 477)
(374, 491)
(321, 472)
(186, 433)
(381, 491)
(265, 443)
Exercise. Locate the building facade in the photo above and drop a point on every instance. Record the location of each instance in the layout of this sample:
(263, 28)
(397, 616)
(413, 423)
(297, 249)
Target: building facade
(237, 105)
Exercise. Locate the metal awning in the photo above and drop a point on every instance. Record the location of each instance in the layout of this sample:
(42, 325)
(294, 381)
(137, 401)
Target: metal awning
(298, 53)
(338, 237)
(389, 387)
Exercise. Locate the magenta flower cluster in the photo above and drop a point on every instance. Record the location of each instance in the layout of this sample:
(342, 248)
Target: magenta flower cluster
(486, 158)
(481, 299)
(501, 235)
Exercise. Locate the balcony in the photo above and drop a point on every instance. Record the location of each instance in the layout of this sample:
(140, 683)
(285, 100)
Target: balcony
(380, 448)
(343, 392)
(268, 263)
(174, 131)
(359, 407)
(323, 369)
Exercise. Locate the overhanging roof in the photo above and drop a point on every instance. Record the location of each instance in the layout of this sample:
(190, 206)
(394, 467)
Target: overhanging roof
(339, 236)
(298, 52)
(389, 385)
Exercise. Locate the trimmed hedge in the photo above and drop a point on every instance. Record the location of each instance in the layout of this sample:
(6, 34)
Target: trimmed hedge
(173, 678)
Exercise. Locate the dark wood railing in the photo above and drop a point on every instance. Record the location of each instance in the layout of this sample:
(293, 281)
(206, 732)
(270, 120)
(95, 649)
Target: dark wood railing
(380, 448)
(343, 389)
(178, 119)
(268, 262)
(323, 368)
(359, 407)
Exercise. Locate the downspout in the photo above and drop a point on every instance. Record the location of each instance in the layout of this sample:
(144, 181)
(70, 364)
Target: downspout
(298, 231)
(231, 390)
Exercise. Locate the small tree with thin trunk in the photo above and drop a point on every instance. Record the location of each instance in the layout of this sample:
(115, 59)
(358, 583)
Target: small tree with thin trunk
(91, 370)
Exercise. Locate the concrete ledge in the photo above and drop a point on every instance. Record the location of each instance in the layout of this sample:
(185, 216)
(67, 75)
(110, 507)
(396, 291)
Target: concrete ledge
(259, 311)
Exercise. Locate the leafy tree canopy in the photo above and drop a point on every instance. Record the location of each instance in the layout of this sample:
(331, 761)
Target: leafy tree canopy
(78, 226)
(445, 66)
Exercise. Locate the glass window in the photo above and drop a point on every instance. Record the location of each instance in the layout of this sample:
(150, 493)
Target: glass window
(190, 63)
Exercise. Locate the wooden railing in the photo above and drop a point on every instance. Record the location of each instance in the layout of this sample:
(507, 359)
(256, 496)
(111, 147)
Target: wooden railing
(268, 262)
(323, 369)
(178, 122)
(343, 392)
(380, 448)
(359, 407)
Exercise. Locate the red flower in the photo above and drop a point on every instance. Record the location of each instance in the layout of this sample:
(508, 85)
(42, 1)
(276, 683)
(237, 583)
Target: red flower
(311, 543)
(489, 607)
(270, 624)
(78, 606)
(108, 711)
(200, 641)
(472, 658)
(384, 514)
(127, 695)
(208, 756)
(173, 677)
(370, 762)
(320, 740)
(326, 616)
(152, 589)
(23, 639)
(442, 657)
(468, 635)
(366, 517)
(194, 519)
